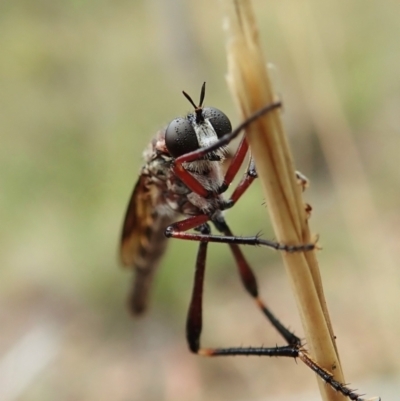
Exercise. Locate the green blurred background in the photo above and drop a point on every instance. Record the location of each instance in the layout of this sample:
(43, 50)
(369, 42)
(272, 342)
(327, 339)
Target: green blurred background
(84, 85)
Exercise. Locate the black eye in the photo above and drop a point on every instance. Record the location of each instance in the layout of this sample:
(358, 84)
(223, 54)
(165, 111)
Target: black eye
(218, 120)
(180, 137)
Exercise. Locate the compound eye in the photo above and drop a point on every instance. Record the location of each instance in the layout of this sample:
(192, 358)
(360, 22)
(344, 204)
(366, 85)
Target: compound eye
(218, 120)
(180, 137)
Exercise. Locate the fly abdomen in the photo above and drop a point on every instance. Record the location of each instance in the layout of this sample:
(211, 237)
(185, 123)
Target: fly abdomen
(152, 246)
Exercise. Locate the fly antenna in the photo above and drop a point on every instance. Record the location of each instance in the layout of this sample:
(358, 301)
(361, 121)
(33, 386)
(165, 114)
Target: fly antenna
(197, 109)
(190, 99)
(202, 94)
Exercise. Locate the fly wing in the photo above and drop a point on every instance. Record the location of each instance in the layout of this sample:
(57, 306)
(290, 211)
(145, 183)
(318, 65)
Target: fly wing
(143, 241)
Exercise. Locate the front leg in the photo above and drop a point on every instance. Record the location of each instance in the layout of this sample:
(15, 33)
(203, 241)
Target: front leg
(192, 182)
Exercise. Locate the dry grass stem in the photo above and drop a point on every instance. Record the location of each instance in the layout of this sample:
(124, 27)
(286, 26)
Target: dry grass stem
(250, 85)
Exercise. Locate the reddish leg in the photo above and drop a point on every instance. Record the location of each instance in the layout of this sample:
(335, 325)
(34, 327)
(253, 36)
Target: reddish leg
(192, 182)
(234, 167)
(195, 315)
(248, 178)
(249, 282)
(194, 322)
(177, 230)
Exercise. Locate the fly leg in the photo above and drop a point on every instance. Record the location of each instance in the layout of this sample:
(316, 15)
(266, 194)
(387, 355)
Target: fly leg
(194, 323)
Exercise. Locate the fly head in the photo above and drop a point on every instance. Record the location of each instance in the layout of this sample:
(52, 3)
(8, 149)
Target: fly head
(200, 128)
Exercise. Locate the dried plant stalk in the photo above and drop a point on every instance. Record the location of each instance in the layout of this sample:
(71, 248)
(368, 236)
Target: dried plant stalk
(250, 85)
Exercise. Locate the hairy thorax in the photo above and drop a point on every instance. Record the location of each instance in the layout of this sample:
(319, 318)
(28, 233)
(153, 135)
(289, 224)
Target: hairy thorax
(171, 191)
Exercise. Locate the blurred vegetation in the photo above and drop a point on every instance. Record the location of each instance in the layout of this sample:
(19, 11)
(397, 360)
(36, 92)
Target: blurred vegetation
(84, 85)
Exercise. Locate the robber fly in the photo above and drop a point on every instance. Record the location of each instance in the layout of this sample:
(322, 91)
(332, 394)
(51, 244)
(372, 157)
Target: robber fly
(180, 189)
(182, 176)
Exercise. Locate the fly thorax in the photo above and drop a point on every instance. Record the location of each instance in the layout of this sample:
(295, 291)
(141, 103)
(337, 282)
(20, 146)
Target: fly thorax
(208, 173)
(206, 205)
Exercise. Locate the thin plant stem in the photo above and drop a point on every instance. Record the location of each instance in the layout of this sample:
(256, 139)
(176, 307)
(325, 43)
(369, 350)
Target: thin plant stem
(251, 88)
